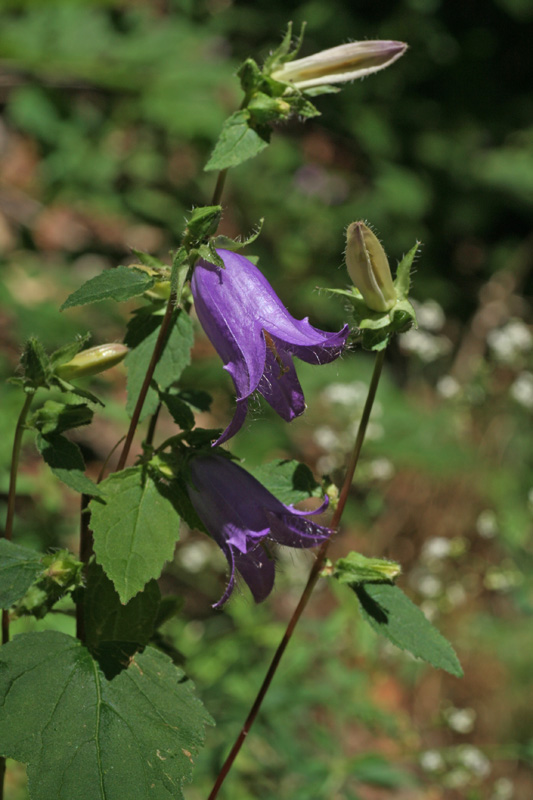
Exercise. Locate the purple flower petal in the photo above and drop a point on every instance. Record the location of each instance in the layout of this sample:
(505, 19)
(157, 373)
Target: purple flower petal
(255, 335)
(240, 513)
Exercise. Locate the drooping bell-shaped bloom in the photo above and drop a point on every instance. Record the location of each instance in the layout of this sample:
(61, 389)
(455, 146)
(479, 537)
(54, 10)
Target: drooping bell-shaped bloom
(242, 516)
(256, 337)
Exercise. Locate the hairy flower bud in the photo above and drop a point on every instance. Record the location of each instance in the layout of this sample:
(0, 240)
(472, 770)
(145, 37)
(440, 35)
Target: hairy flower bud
(339, 64)
(91, 361)
(368, 267)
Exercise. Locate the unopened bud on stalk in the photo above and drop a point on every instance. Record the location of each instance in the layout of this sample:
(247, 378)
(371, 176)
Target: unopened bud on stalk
(368, 267)
(339, 64)
(91, 361)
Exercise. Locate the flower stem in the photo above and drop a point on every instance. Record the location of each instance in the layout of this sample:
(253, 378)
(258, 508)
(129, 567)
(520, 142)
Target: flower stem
(312, 580)
(158, 349)
(219, 188)
(15, 458)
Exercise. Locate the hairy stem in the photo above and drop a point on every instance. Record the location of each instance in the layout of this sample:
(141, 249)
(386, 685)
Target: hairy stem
(312, 580)
(15, 458)
(158, 349)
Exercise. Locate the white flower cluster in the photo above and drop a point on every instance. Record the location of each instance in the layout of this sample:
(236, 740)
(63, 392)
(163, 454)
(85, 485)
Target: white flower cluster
(511, 341)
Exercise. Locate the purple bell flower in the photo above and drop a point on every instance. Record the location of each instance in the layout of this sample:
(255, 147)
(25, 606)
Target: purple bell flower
(256, 337)
(242, 516)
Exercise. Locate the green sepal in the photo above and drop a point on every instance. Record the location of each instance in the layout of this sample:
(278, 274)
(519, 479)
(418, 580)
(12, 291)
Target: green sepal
(225, 243)
(68, 351)
(283, 52)
(356, 568)
(202, 223)
(148, 260)
(375, 328)
(56, 417)
(208, 253)
(402, 282)
(35, 365)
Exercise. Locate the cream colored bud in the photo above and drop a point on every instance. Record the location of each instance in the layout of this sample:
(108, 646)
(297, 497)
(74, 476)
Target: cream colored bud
(340, 64)
(368, 267)
(91, 361)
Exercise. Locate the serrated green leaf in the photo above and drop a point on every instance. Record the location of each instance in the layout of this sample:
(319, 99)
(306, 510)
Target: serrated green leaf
(85, 737)
(141, 337)
(180, 411)
(66, 461)
(115, 631)
(19, 567)
(238, 142)
(54, 417)
(135, 529)
(118, 284)
(402, 282)
(196, 398)
(390, 612)
(70, 388)
(289, 481)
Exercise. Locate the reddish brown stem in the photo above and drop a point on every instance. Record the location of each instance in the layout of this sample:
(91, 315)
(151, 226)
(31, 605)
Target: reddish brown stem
(158, 349)
(312, 580)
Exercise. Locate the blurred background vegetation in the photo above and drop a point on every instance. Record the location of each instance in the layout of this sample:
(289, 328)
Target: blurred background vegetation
(109, 111)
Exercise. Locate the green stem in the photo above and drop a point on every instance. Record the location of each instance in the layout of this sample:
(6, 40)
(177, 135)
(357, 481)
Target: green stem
(312, 580)
(15, 458)
(158, 349)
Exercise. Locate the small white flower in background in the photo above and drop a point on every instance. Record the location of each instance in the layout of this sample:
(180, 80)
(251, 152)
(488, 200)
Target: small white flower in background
(432, 761)
(346, 394)
(195, 555)
(512, 340)
(428, 585)
(461, 720)
(381, 469)
(429, 315)
(503, 789)
(487, 524)
(424, 344)
(522, 390)
(340, 64)
(448, 387)
(326, 438)
(474, 760)
(455, 594)
(436, 548)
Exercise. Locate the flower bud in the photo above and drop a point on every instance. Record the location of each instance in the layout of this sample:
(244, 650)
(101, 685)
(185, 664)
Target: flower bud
(368, 267)
(91, 361)
(339, 64)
